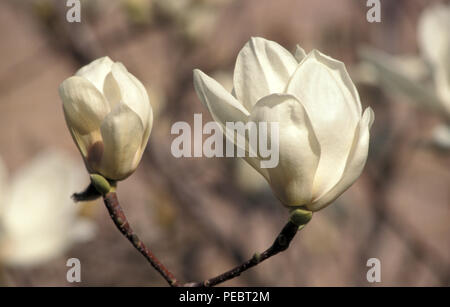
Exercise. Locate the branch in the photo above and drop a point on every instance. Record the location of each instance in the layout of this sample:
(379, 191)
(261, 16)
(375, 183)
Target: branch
(299, 218)
(121, 222)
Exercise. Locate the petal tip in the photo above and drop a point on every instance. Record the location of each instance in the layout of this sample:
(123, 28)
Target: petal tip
(197, 72)
(369, 116)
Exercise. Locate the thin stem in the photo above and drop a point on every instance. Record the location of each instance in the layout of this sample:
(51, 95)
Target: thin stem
(280, 244)
(120, 220)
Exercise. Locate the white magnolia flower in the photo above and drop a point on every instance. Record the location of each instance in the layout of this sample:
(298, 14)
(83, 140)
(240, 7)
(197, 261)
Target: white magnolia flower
(434, 42)
(38, 221)
(109, 115)
(424, 79)
(323, 138)
(441, 137)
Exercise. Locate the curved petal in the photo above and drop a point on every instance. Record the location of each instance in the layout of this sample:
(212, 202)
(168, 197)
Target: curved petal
(442, 78)
(221, 104)
(255, 163)
(300, 53)
(111, 91)
(96, 71)
(120, 85)
(147, 130)
(148, 123)
(355, 162)
(122, 133)
(332, 103)
(292, 179)
(84, 106)
(263, 67)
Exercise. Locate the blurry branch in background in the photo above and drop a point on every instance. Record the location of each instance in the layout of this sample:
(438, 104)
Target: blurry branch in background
(383, 174)
(77, 39)
(405, 75)
(186, 194)
(3, 278)
(81, 42)
(383, 170)
(425, 81)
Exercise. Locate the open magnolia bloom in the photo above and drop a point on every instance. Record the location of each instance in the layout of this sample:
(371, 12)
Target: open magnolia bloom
(323, 137)
(38, 222)
(109, 115)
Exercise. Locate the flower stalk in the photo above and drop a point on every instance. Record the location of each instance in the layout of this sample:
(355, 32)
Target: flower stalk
(298, 219)
(120, 220)
(100, 186)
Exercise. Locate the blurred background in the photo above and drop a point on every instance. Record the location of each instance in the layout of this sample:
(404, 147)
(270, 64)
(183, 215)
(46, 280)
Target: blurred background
(203, 216)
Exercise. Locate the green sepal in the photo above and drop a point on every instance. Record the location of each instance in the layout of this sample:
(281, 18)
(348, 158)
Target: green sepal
(101, 184)
(300, 217)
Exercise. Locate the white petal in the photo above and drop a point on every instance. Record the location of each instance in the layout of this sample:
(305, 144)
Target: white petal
(122, 134)
(39, 216)
(148, 122)
(256, 164)
(111, 90)
(221, 104)
(147, 130)
(223, 108)
(300, 53)
(292, 179)
(440, 138)
(84, 105)
(3, 185)
(263, 67)
(332, 103)
(442, 80)
(434, 33)
(131, 91)
(355, 162)
(96, 71)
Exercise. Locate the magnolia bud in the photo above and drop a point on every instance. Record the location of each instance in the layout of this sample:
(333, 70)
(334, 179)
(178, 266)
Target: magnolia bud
(109, 115)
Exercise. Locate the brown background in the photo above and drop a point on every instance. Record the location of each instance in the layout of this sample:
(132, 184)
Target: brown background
(192, 212)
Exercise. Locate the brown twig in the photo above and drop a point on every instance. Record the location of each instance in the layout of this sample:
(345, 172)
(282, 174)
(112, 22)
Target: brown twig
(120, 220)
(298, 219)
(280, 244)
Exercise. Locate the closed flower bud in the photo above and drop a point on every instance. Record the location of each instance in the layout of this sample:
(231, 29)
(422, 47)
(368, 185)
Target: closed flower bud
(109, 115)
(323, 135)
